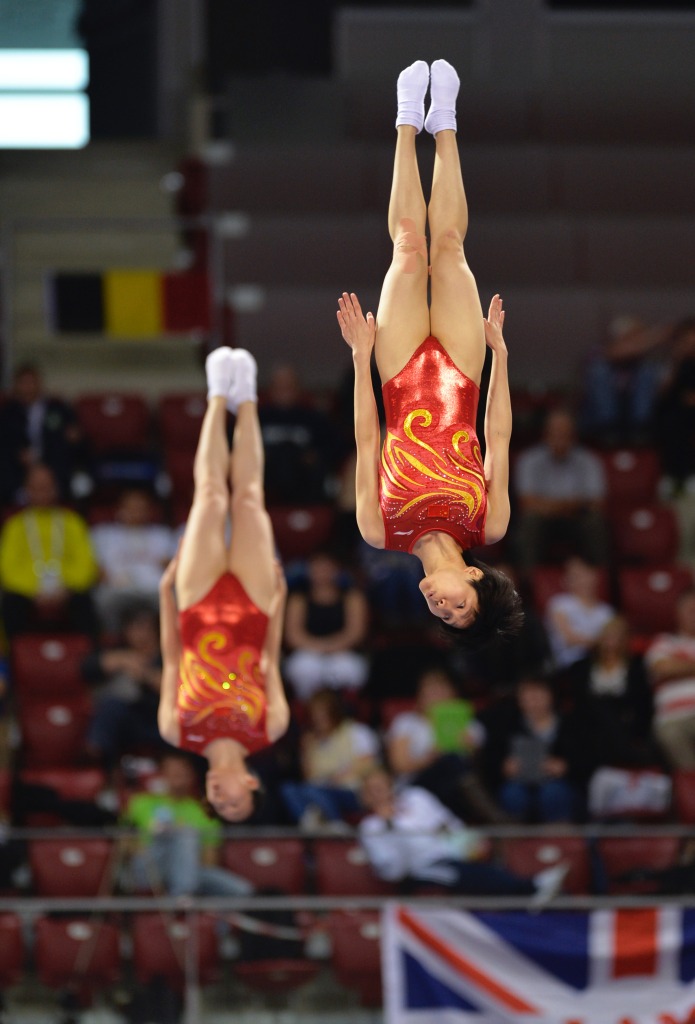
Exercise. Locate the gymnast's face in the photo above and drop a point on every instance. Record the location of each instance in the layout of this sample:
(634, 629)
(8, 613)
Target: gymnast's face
(451, 596)
(230, 792)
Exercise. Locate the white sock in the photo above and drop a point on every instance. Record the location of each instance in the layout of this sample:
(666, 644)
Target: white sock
(411, 89)
(219, 369)
(444, 88)
(243, 384)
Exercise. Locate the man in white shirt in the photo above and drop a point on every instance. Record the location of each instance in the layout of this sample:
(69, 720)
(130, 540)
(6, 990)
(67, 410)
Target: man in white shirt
(671, 663)
(410, 836)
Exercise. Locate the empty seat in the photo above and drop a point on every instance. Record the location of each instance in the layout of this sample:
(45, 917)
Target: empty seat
(48, 666)
(180, 417)
(394, 706)
(5, 792)
(632, 476)
(179, 466)
(342, 869)
(80, 953)
(53, 732)
(356, 953)
(648, 596)
(647, 534)
(162, 943)
(72, 867)
(684, 795)
(11, 950)
(625, 857)
(115, 423)
(528, 856)
(299, 530)
(268, 863)
(83, 784)
(547, 580)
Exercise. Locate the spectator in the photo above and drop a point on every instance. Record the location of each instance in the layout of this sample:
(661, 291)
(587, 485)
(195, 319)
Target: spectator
(127, 680)
(132, 553)
(177, 846)
(560, 486)
(47, 565)
(36, 428)
(575, 617)
(302, 448)
(621, 385)
(419, 747)
(409, 836)
(324, 625)
(671, 663)
(531, 756)
(675, 415)
(613, 699)
(336, 752)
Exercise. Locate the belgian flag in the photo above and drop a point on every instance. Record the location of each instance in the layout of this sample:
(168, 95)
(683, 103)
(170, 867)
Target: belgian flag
(129, 303)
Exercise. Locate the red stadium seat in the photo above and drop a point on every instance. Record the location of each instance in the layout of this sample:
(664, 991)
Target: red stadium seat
(684, 795)
(48, 666)
(275, 975)
(268, 863)
(547, 580)
(180, 417)
(355, 952)
(632, 476)
(5, 792)
(81, 953)
(72, 867)
(161, 943)
(392, 707)
(69, 783)
(647, 534)
(299, 530)
(179, 467)
(528, 856)
(622, 855)
(342, 869)
(115, 423)
(648, 596)
(53, 732)
(11, 950)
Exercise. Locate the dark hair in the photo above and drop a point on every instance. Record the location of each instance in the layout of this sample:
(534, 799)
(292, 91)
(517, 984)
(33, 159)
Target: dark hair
(500, 614)
(332, 702)
(259, 798)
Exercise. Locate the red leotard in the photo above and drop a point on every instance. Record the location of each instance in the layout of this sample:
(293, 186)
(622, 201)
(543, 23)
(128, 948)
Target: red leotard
(221, 690)
(431, 472)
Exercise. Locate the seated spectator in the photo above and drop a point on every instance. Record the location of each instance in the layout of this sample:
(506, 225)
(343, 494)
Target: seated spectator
(675, 414)
(671, 663)
(177, 846)
(336, 752)
(419, 747)
(36, 428)
(132, 553)
(47, 565)
(575, 617)
(621, 385)
(613, 699)
(324, 624)
(127, 681)
(302, 448)
(561, 487)
(410, 837)
(531, 756)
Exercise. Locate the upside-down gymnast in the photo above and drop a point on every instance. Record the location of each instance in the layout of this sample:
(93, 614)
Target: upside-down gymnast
(222, 606)
(426, 490)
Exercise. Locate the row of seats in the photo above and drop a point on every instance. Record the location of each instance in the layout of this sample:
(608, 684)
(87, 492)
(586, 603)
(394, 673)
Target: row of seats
(338, 866)
(90, 954)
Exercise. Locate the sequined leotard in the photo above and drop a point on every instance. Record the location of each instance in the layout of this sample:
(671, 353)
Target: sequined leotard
(431, 472)
(221, 691)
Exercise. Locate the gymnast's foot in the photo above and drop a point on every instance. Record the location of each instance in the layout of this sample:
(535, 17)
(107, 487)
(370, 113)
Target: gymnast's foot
(219, 370)
(411, 89)
(444, 88)
(243, 383)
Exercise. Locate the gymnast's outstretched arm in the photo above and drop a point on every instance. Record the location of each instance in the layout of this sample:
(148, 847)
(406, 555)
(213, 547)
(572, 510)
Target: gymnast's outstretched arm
(170, 642)
(278, 709)
(498, 427)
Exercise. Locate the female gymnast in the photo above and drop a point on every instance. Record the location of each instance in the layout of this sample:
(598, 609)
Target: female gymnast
(426, 490)
(222, 695)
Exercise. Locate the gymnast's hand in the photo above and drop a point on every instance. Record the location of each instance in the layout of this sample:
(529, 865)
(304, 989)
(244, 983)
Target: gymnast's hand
(494, 325)
(357, 330)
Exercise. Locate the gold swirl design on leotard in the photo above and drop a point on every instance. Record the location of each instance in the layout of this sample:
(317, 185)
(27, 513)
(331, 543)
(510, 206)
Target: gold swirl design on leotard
(454, 475)
(207, 684)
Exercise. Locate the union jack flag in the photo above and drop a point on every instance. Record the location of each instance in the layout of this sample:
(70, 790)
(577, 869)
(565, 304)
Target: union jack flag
(623, 966)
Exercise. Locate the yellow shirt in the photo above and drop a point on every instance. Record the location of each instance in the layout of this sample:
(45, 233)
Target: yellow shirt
(46, 541)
